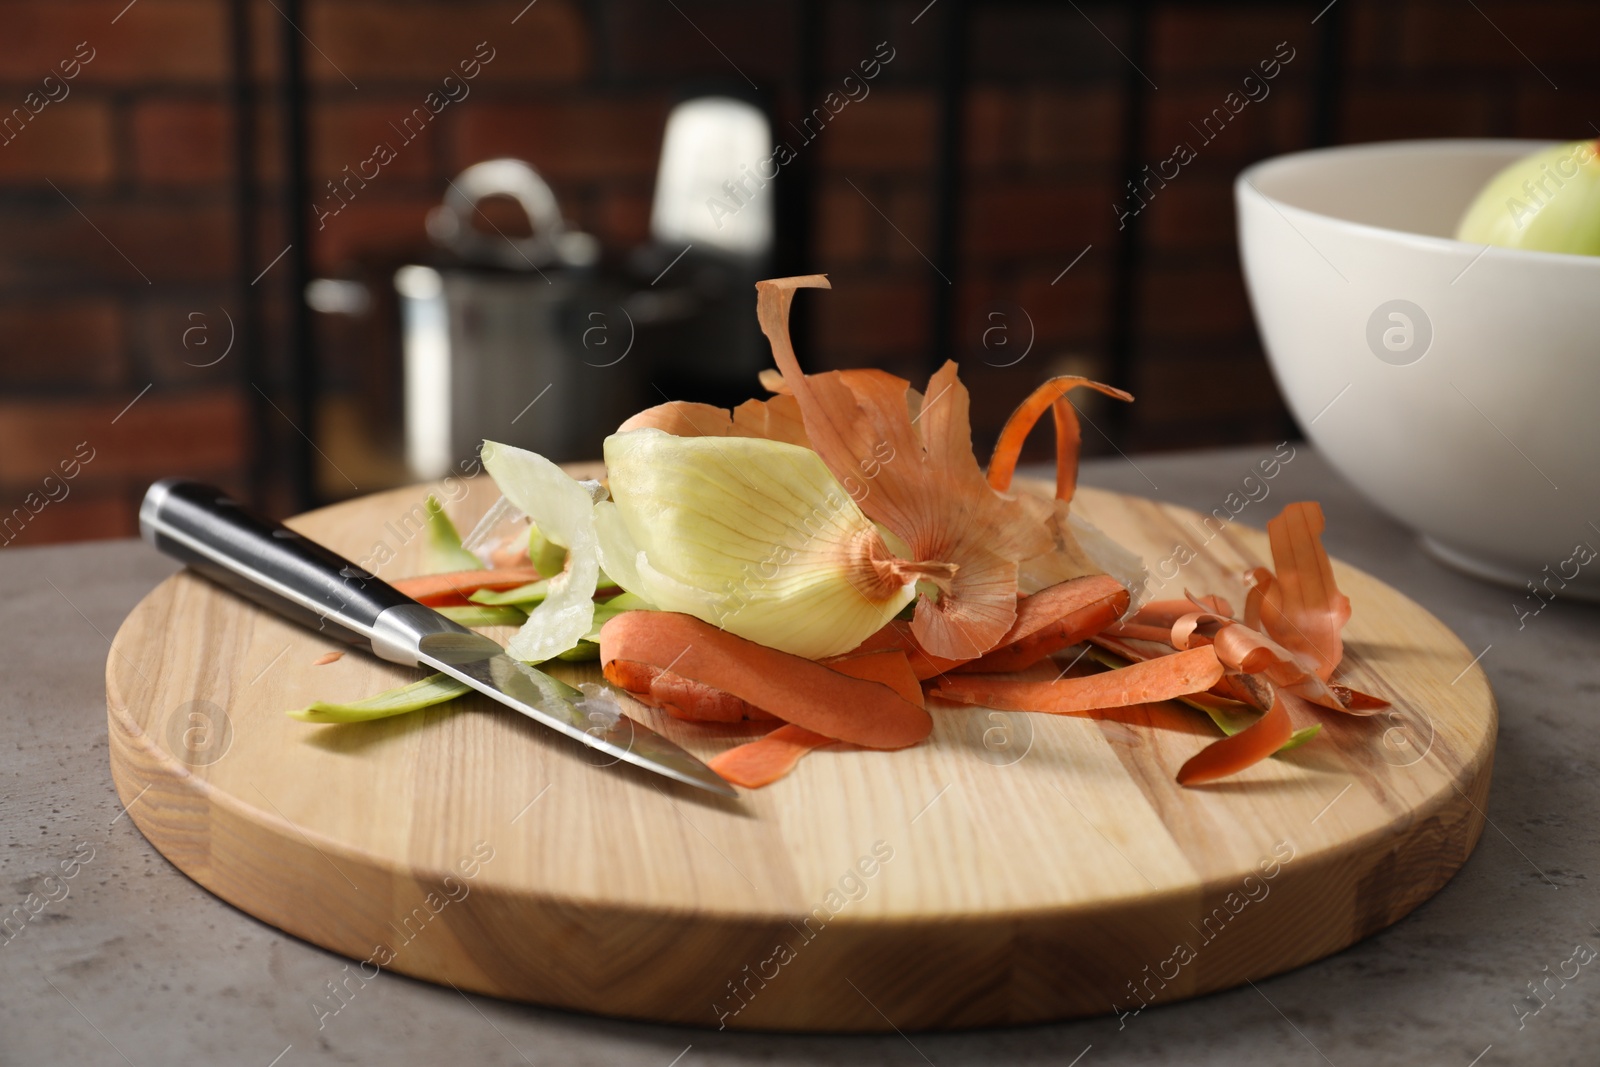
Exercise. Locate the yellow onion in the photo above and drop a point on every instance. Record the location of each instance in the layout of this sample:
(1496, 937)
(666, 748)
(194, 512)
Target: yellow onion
(1546, 202)
(753, 536)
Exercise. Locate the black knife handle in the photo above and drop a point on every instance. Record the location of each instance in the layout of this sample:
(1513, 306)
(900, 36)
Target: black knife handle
(279, 569)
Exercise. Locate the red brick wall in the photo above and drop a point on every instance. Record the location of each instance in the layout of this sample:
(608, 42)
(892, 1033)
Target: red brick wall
(117, 231)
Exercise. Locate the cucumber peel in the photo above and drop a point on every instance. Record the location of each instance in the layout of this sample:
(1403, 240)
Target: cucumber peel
(547, 557)
(443, 550)
(485, 615)
(532, 593)
(434, 689)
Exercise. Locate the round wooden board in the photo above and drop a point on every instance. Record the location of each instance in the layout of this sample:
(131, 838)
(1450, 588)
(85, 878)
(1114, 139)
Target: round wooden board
(1013, 868)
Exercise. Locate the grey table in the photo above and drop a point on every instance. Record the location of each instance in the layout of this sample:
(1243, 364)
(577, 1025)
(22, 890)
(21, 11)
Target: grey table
(135, 964)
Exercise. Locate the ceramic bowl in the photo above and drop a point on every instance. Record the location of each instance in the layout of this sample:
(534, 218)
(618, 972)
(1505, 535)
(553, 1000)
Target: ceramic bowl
(1455, 384)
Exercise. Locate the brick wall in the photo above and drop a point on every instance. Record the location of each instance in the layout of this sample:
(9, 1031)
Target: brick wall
(119, 260)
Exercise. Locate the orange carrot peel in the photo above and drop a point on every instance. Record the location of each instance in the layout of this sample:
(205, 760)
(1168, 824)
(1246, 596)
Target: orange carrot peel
(897, 637)
(1065, 558)
(1244, 749)
(1051, 396)
(889, 667)
(799, 691)
(1252, 652)
(1163, 678)
(680, 697)
(766, 759)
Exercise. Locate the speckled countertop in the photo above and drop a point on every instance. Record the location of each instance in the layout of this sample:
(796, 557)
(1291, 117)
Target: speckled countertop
(128, 962)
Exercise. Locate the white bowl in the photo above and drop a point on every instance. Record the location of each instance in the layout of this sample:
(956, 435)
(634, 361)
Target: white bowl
(1456, 385)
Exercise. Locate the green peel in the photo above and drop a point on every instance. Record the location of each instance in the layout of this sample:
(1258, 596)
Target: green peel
(485, 615)
(606, 610)
(444, 552)
(434, 689)
(547, 557)
(530, 594)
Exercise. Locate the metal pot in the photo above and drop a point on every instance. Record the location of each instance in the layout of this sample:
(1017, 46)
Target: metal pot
(492, 339)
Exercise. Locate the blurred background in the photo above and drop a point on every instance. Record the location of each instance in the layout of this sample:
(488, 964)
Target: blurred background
(226, 251)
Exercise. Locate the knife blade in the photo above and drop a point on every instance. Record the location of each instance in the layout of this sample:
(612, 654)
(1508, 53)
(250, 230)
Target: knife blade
(274, 566)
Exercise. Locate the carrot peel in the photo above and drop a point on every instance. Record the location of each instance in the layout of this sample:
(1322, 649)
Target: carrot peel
(1244, 749)
(890, 667)
(1162, 678)
(680, 697)
(796, 690)
(1051, 396)
(766, 759)
(897, 636)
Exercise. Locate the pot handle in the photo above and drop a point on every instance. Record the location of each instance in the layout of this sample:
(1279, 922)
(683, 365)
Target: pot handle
(450, 224)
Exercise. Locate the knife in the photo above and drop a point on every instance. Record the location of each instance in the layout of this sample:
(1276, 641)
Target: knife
(307, 583)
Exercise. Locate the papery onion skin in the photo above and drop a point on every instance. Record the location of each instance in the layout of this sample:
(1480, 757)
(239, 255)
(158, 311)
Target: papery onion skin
(911, 467)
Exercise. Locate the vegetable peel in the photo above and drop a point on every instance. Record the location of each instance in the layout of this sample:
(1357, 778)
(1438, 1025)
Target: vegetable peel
(563, 512)
(763, 761)
(1163, 678)
(1303, 609)
(1234, 753)
(829, 557)
(917, 477)
(796, 690)
(442, 551)
(1053, 619)
(434, 689)
(1051, 396)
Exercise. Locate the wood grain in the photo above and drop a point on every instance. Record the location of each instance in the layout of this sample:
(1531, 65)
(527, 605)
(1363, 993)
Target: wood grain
(1014, 868)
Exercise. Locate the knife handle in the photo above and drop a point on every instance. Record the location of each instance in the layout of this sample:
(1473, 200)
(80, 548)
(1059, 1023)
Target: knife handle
(280, 569)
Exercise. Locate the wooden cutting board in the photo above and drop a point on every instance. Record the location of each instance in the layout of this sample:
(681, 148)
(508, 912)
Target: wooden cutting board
(1013, 868)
